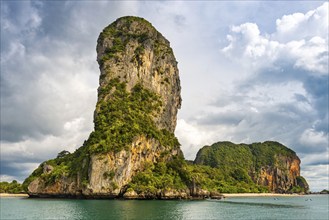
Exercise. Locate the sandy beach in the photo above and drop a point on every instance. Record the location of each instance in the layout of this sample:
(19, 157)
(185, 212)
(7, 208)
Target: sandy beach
(227, 195)
(13, 195)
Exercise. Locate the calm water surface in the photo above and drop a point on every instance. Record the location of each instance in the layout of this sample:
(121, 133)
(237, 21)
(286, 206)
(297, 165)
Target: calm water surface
(300, 207)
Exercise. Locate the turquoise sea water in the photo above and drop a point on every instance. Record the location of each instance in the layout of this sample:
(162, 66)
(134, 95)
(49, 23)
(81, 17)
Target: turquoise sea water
(300, 207)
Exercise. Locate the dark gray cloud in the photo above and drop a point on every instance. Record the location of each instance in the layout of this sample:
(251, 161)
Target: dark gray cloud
(46, 48)
(49, 78)
(315, 162)
(316, 88)
(264, 109)
(15, 171)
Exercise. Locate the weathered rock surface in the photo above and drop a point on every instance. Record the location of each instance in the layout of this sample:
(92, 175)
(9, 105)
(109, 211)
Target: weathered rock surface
(110, 172)
(280, 178)
(142, 56)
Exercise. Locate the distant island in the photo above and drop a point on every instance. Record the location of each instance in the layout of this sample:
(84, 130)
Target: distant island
(12, 187)
(133, 152)
(325, 191)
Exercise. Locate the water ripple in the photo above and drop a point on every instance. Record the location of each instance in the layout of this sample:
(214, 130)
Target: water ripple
(269, 205)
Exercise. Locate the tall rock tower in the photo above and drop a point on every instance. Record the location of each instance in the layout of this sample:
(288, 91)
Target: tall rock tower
(135, 116)
(132, 50)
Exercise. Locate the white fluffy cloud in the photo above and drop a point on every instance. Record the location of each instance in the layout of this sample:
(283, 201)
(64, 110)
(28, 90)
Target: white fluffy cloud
(300, 39)
(299, 26)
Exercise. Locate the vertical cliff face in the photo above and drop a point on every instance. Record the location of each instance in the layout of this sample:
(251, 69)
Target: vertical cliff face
(133, 51)
(133, 54)
(281, 177)
(135, 116)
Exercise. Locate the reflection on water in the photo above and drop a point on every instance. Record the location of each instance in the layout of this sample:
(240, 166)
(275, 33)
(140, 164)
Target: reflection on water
(231, 208)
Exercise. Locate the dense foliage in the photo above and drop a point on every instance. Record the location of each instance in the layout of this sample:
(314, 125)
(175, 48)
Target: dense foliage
(240, 164)
(223, 167)
(179, 174)
(266, 153)
(121, 117)
(12, 187)
(155, 177)
(126, 115)
(66, 164)
(241, 159)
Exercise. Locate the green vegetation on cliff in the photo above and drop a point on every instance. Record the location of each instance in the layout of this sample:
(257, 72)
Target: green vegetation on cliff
(301, 187)
(122, 116)
(113, 31)
(120, 36)
(64, 165)
(223, 167)
(178, 175)
(228, 156)
(158, 176)
(243, 166)
(125, 116)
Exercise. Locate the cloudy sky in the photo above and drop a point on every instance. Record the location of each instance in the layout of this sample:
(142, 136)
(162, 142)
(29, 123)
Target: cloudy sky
(250, 72)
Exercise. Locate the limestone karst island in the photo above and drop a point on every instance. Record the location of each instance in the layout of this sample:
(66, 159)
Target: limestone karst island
(133, 152)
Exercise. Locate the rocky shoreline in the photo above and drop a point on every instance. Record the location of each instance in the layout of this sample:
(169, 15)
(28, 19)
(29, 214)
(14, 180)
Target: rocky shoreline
(132, 195)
